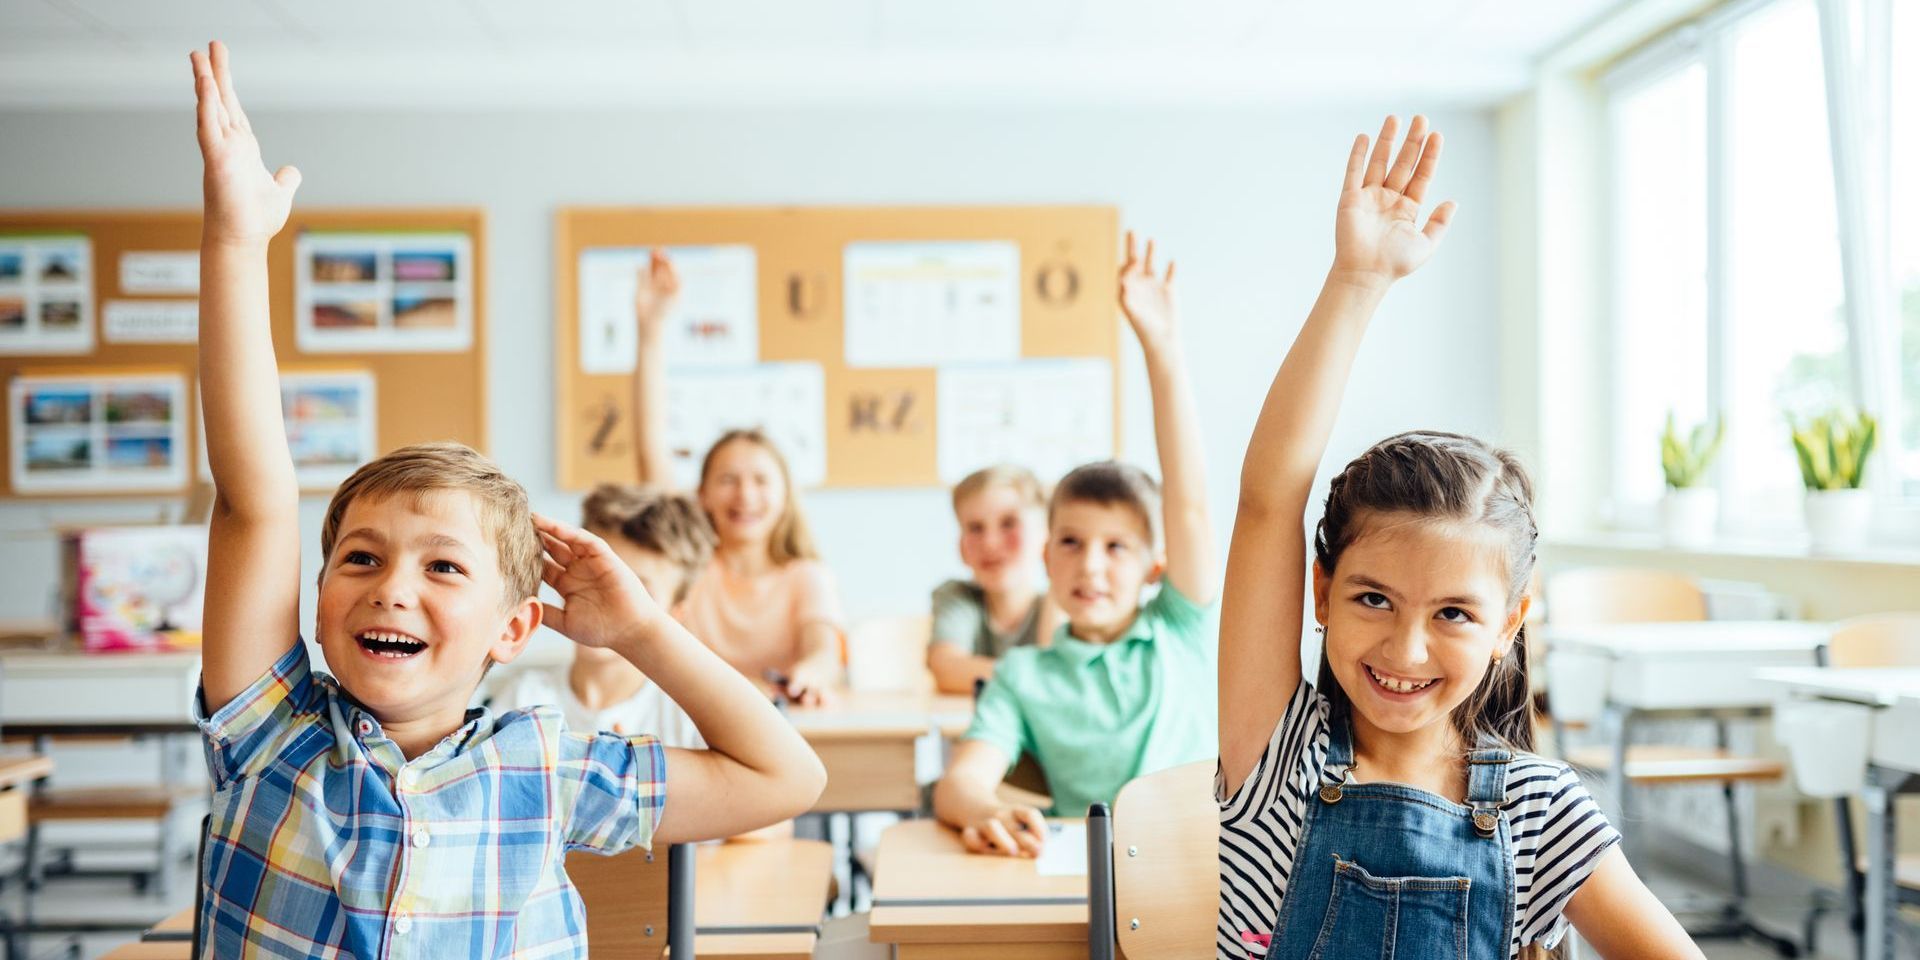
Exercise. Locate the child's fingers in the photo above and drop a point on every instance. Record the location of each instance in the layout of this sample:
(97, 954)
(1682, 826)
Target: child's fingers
(206, 109)
(1429, 162)
(1147, 265)
(224, 77)
(557, 548)
(1382, 147)
(288, 177)
(971, 839)
(1356, 164)
(1030, 842)
(1032, 818)
(551, 572)
(1001, 839)
(1170, 265)
(1131, 256)
(1437, 222)
(554, 617)
(1410, 148)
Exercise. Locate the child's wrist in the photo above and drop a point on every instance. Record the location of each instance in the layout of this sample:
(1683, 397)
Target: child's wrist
(1359, 279)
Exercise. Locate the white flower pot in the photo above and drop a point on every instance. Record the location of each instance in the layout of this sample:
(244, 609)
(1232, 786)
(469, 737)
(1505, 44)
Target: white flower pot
(1839, 520)
(1690, 516)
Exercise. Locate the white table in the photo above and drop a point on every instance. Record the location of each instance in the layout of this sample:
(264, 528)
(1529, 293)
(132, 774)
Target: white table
(1892, 698)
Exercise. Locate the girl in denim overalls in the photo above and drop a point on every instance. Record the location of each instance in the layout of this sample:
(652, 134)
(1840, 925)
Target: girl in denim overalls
(1391, 809)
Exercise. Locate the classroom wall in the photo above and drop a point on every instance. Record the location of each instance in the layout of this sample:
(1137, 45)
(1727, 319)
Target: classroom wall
(1242, 197)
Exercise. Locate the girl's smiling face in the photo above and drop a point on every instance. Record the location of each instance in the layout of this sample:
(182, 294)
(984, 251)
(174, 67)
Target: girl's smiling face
(1416, 611)
(744, 493)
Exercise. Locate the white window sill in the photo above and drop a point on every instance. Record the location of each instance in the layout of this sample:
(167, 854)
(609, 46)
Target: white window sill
(1786, 550)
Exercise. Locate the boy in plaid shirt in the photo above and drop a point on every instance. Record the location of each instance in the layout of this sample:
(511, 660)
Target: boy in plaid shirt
(370, 813)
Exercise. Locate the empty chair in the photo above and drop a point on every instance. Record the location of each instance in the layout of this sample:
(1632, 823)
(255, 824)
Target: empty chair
(1153, 868)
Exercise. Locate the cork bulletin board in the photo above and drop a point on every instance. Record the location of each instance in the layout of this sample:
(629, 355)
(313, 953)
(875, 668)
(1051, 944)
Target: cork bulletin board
(927, 338)
(133, 279)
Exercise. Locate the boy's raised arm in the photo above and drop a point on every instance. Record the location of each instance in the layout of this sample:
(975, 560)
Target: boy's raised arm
(658, 288)
(1377, 240)
(253, 549)
(1147, 300)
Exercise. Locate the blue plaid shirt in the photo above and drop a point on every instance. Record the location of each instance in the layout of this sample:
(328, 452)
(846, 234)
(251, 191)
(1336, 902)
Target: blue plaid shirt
(327, 842)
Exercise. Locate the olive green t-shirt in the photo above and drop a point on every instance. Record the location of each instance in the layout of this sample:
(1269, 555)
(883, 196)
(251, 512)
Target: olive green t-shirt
(960, 618)
(1097, 715)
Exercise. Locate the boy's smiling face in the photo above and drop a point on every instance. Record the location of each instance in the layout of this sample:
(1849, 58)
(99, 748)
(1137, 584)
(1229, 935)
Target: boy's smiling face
(413, 605)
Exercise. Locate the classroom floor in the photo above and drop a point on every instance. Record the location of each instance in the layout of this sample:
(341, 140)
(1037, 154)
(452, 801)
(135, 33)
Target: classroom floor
(95, 899)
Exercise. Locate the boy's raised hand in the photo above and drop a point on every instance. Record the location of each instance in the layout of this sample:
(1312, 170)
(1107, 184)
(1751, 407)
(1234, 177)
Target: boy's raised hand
(1146, 297)
(244, 203)
(1377, 231)
(604, 601)
(656, 293)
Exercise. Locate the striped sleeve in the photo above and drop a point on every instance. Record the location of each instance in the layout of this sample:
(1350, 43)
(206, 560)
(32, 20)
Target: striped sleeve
(1559, 834)
(1260, 825)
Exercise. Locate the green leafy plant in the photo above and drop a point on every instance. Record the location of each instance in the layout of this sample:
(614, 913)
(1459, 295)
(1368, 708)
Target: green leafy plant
(1686, 457)
(1833, 449)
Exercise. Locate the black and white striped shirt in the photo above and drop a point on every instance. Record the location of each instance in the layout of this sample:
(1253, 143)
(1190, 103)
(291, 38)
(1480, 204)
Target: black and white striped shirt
(1558, 834)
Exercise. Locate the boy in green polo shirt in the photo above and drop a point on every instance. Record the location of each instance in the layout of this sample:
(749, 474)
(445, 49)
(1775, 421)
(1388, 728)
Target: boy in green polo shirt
(1124, 689)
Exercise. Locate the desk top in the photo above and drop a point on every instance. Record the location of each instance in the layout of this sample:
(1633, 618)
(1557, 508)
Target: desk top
(176, 927)
(1709, 637)
(928, 888)
(758, 884)
(152, 950)
(21, 768)
(1880, 686)
(857, 715)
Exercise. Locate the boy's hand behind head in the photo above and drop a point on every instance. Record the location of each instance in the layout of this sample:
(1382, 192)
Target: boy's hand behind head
(1147, 298)
(605, 603)
(244, 203)
(1377, 233)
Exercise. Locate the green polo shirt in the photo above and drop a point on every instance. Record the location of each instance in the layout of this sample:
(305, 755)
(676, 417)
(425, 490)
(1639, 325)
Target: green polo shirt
(1097, 715)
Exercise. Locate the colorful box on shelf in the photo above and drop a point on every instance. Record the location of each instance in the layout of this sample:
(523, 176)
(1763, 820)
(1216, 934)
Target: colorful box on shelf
(140, 588)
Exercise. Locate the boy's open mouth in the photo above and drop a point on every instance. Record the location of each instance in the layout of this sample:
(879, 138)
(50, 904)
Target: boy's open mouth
(389, 644)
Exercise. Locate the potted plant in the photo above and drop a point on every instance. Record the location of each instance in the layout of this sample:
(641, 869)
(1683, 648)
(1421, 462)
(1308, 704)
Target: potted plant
(1690, 512)
(1833, 451)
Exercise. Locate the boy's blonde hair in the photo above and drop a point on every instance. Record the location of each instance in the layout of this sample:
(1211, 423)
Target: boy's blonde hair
(427, 467)
(667, 523)
(1111, 483)
(1018, 479)
(791, 538)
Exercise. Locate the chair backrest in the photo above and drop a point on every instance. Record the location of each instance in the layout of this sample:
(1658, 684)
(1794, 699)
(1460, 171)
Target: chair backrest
(1882, 640)
(1166, 864)
(889, 653)
(200, 885)
(631, 899)
(1592, 595)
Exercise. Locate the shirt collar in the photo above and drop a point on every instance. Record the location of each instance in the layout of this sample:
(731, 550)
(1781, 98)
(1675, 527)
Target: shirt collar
(1079, 651)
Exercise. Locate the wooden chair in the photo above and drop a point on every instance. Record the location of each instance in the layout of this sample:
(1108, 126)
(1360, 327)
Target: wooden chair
(1153, 868)
(1886, 640)
(639, 905)
(889, 654)
(1616, 595)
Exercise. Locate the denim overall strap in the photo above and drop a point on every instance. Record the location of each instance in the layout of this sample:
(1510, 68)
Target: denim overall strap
(1487, 786)
(1338, 771)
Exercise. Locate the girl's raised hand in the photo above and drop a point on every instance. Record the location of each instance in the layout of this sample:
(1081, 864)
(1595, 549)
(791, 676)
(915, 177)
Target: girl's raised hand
(244, 203)
(603, 600)
(655, 294)
(1146, 297)
(1377, 232)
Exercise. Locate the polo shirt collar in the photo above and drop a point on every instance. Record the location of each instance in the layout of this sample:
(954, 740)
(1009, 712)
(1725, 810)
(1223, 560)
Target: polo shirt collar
(1079, 651)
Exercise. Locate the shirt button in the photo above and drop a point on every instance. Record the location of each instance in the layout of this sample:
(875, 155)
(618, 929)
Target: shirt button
(420, 838)
(402, 924)
(366, 727)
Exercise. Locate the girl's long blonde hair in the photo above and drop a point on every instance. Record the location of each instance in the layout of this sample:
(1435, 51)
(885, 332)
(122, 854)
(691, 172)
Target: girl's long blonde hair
(791, 539)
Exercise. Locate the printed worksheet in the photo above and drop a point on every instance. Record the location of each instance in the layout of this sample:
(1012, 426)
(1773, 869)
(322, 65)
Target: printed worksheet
(911, 304)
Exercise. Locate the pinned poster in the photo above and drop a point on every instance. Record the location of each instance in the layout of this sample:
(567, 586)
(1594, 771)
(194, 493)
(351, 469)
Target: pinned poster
(932, 304)
(98, 434)
(150, 321)
(383, 292)
(160, 272)
(715, 323)
(330, 424)
(46, 294)
(786, 401)
(1047, 415)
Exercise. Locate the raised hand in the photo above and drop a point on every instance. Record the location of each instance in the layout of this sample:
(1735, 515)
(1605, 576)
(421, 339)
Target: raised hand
(1147, 298)
(244, 203)
(604, 603)
(1377, 231)
(656, 293)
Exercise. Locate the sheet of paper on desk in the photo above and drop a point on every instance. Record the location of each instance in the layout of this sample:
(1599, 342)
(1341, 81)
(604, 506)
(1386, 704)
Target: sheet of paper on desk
(1065, 854)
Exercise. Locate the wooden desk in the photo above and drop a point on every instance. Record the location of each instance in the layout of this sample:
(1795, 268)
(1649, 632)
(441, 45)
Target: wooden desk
(1891, 697)
(16, 772)
(178, 927)
(760, 901)
(152, 950)
(867, 742)
(933, 900)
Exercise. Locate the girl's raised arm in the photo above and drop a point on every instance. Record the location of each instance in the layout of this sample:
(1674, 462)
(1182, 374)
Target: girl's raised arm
(654, 297)
(1377, 240)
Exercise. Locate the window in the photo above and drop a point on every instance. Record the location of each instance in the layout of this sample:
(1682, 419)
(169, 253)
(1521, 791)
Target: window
(1903, 453)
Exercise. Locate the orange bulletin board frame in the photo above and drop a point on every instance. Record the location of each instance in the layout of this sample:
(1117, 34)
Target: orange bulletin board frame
(420, 396)
(1068, 261)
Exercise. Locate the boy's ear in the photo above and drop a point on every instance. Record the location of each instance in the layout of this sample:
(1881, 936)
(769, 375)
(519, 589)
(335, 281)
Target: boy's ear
(1159, 568)
(517, 631)
(1322, 593)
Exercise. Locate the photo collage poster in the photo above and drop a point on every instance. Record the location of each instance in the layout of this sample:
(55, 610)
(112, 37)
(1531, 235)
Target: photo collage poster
(98, 433)
(383, 292)
(46, 294)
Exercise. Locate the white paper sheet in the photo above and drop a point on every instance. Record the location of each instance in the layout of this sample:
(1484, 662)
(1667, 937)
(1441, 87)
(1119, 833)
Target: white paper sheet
(150, 321)
(928, 304)
(715, 324)
(98, 433)
(383, 292)
(786, 400)
(160, 271)
(46, 294)
(1047, 415)
(1065, 854)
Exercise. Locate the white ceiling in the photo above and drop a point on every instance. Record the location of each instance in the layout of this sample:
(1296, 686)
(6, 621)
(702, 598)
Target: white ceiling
(481, 53)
